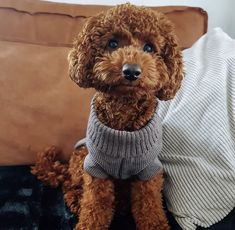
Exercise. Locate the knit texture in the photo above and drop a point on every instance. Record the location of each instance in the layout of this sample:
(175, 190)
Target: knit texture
(198, 154)
(122, 154)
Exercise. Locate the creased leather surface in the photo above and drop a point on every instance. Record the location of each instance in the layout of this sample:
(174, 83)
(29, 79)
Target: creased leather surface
(40, 105)
(56, 24)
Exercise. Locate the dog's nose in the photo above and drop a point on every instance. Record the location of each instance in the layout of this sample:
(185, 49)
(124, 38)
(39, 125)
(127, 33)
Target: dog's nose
(131, 72)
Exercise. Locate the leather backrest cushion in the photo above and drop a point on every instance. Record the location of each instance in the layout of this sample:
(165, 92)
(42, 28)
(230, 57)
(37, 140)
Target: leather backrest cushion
(40, 105)
(50, 23)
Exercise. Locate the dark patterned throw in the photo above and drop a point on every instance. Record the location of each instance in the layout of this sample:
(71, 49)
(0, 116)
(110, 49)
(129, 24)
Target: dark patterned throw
(26, 204)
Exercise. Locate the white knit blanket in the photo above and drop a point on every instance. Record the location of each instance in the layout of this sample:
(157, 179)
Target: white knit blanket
(199, 135)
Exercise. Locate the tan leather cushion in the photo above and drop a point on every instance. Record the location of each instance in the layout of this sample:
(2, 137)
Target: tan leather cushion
(40, 105)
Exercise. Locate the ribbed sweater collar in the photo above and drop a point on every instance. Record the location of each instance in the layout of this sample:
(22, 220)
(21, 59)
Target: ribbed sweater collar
(123, 143)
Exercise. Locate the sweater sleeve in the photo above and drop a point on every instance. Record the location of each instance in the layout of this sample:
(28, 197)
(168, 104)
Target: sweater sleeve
(80, 143)
(93, 168)
(151, 170)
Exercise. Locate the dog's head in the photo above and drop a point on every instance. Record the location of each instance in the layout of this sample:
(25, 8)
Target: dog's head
(127, 50)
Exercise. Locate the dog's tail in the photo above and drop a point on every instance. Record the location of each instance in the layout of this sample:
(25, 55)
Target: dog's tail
(52, 172)
(49, 169)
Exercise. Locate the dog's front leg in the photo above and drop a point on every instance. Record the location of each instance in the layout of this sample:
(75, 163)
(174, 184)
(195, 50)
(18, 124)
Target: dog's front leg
(97, 204)
(146, 201)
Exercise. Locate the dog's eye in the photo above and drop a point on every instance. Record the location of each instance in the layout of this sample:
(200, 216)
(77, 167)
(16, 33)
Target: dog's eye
(113, 44)
(148, 48)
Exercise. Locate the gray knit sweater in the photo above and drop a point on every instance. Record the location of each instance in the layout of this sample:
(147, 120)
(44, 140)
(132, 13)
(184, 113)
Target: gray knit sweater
(122, 154)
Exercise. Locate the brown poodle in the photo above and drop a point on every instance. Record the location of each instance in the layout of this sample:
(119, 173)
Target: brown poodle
(130, 56)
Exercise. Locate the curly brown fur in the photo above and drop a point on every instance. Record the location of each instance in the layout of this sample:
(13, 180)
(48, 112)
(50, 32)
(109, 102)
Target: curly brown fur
(48, 169)
(146, 199)
(93, 64)
(96, 204)
(112, 111)
(121, 104)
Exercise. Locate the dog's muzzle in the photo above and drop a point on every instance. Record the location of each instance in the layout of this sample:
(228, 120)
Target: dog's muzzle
(131, 72)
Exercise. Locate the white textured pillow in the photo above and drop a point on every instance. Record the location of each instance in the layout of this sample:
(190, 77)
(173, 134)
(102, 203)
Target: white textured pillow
(199, 135)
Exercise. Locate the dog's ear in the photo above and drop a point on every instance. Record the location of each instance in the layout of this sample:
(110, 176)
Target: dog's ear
(172, 57)
(82, 56)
